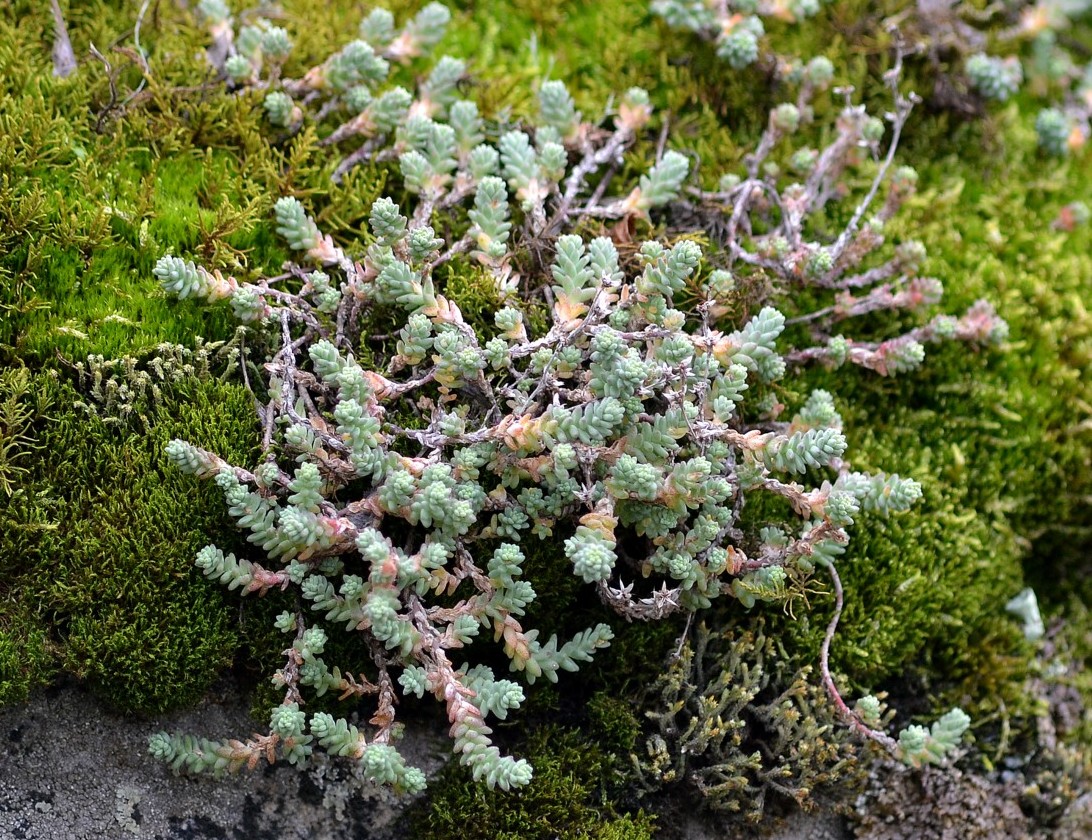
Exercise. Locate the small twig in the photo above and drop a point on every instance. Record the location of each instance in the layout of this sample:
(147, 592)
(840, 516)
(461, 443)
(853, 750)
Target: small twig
(903, 106)
(359, 156)
(459, 247)
(610, 152)
(661, 144)
(600, 189)
(113, 103)
(142, 56)
(847, 714)
(683, 635)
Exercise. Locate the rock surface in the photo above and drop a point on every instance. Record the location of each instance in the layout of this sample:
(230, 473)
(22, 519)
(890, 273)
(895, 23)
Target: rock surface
(72, 770)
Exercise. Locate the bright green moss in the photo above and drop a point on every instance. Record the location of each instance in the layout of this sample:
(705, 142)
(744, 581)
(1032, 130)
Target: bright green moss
(102, 539)
(70, 281)
(477, 297)
(564, 798)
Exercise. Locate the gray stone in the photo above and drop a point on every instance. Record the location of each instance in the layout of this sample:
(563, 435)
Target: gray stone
(72, 770)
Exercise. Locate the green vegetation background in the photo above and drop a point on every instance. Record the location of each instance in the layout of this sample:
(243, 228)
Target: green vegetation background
(97, 533)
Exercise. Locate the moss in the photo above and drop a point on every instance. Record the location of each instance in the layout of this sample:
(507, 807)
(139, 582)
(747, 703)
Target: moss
(26, 661)
(734, 728)
(612, 723)
(102, 542)
(562, 800)
(475, 293)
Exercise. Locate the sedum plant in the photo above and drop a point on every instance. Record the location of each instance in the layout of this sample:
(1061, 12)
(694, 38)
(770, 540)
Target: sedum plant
(450, 156)
(1034, 36)
(993, 77)
(435, 134)
(762, 220)
(394, 499)
(622, 426)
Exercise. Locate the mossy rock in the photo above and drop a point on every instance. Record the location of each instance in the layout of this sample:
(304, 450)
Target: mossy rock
(107, 531)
